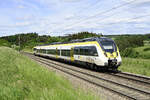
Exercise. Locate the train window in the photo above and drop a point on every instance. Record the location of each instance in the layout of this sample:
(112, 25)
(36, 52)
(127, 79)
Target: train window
(86, 50)
(51, 51)
(76, 50)
(44, 51)
(93, 51)
(34, 49)
(38, 51)
(109, 46)
(65, 53)
(58, 52)
(81, 51)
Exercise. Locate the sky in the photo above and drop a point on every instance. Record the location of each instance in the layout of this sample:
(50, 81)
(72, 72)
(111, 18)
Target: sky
(61, 17)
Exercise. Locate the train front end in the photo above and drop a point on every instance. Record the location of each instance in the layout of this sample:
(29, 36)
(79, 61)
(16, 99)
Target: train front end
(111, 55)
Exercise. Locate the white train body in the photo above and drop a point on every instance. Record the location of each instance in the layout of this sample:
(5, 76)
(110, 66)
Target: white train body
(101, 52)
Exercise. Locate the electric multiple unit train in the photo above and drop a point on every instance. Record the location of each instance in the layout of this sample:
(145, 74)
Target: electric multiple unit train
(99, 52)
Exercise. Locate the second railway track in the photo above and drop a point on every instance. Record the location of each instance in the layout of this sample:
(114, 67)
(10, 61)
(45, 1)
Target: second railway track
(132, 90)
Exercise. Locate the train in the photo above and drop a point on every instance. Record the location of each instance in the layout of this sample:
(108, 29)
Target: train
(94, 52)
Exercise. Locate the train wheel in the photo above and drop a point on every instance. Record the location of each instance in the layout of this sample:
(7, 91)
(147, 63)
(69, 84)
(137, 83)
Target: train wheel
(95, 67)
(90, 66)
(98, 68)
(116, 69)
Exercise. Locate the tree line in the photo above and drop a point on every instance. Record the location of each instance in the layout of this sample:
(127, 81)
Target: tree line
(32, 39)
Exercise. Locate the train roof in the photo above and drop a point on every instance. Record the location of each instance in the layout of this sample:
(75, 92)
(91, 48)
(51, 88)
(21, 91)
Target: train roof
(80, 40)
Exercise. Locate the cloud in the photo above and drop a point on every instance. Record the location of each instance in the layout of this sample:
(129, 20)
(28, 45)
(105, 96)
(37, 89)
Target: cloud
(67, 16)
(137, 1)
(71, 0)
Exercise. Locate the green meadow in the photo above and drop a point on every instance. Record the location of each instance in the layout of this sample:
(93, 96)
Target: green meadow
(23, 79)
(140, 64)
(143, 52)
(136, 65)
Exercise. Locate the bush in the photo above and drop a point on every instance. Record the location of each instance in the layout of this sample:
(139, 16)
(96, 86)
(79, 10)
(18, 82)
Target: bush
(4, 43)
(146, 49)
(130, 52)
(128, 42)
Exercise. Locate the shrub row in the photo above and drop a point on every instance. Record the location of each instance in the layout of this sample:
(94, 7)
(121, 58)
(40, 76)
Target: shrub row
(126, 45)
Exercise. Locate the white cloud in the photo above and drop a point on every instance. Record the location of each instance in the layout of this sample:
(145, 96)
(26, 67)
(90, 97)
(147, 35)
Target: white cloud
(67, 16)
(71, 0)
(137, 1)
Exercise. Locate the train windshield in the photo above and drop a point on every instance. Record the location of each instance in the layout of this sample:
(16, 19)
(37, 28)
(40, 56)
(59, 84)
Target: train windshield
(109, 46)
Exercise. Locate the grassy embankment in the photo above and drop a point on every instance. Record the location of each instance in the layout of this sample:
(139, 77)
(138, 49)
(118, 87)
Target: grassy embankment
(24, 79)
(28, 50)
(136, 65)
(144, 52)
(140, 65)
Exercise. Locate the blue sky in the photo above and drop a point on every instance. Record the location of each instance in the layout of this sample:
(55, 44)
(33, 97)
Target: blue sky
(60, 17)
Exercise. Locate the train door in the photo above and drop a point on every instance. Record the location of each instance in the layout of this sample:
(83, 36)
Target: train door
(71, 54)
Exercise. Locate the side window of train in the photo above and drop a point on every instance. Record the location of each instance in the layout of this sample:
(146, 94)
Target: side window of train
(58, 51)
(44, 51)
(81, 51)
(93, 51)
(76, 50)
(34, 49)
(86, 50)
(51, 51)
(65, 53)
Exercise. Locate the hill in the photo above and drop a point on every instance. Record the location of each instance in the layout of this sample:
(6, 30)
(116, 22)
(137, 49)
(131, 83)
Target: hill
(23, 79)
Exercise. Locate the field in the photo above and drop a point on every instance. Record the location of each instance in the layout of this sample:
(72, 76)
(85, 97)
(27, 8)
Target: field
(139, 65)
(23, 79)
(28, 50)
(136, 65)
(144, 51)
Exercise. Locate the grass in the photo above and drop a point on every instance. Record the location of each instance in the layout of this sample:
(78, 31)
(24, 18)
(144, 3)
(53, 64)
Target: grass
(24, 79)
(135, 65)
(28, 50)
(144, 52)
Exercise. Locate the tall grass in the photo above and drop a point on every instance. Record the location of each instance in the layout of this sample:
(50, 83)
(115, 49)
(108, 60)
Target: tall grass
(23, 79)
(135, 65)
(144, 52)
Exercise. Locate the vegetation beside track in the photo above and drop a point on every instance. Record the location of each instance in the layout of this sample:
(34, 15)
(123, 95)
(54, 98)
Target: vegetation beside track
(23, 79)
(135, 65)
(138, 65)
(143, 52)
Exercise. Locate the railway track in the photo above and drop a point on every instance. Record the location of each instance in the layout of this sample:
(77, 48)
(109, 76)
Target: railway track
(144, 79)
(134, 78)
(111, 82)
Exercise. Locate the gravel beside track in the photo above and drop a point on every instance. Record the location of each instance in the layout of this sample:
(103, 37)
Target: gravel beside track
(123, 86)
